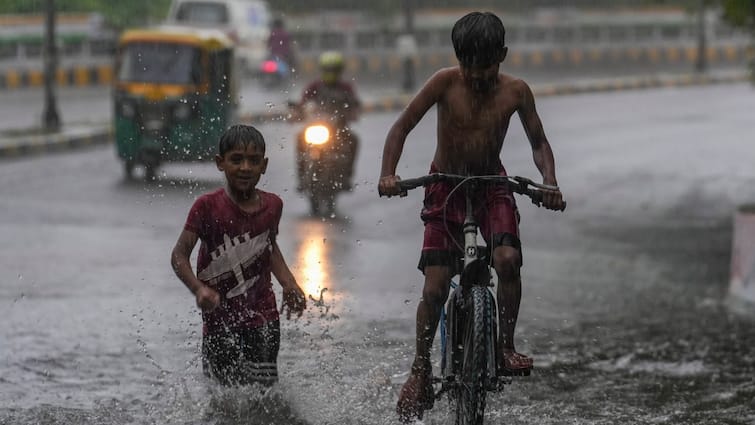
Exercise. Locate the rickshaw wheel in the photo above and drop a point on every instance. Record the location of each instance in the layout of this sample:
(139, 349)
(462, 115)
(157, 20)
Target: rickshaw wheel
(150, 172)
(128, 169)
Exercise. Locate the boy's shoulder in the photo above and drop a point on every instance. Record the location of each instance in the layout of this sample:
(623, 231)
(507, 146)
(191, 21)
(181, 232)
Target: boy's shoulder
(271, 197)
(513, 85)
(448, 73)
(210, 196)
(513, 80)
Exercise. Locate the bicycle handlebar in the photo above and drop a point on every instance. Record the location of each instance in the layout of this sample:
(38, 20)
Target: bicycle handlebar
(521, 185)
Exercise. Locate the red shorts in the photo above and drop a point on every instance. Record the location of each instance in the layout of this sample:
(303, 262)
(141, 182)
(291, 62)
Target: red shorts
(495, 212)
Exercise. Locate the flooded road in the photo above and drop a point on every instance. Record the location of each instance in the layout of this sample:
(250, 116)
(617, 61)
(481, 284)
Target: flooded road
(625, 304)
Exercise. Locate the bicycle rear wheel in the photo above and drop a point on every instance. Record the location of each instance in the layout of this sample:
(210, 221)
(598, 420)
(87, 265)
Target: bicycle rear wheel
(470, 391)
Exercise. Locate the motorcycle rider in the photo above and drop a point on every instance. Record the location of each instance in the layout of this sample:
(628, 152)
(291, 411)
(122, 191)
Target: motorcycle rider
(337, 101)
(280, 43)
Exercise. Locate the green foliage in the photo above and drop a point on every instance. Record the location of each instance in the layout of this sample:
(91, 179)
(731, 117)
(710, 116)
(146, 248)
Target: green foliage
(119, 14)
(739, 12)
(132, 13)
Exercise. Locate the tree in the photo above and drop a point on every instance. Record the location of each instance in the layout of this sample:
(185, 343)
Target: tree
(50, 117)
(118, 14)
(741, 13)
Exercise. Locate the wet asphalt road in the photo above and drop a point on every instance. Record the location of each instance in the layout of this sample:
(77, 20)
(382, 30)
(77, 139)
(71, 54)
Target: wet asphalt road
(625, 305)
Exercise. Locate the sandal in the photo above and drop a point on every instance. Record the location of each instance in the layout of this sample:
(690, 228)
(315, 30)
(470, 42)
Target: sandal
(516, 364)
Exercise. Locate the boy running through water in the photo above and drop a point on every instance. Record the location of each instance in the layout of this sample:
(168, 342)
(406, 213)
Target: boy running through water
(237, 227)
(474, 105)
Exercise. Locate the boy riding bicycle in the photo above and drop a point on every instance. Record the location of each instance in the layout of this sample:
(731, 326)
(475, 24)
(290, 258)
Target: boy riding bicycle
(475, 104)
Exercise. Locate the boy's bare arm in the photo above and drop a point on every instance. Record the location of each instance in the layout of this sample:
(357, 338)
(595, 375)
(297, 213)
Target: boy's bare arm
(430, 93)
(293, 296)
(207, 298)
(180, 260)
(280, 269)
(541, 148)
(533, 127)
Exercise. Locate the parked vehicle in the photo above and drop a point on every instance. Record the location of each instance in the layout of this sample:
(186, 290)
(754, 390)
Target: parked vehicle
(174, 95)
(246, 22)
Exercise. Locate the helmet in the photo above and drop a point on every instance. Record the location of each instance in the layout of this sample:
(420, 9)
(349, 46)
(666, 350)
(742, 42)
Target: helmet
(331, 60)
(331, 66)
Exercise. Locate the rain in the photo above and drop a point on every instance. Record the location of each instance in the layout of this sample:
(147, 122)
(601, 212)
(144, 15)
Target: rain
(638, 300)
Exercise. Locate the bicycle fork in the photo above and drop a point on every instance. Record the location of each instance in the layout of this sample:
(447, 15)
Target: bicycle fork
(476, 273)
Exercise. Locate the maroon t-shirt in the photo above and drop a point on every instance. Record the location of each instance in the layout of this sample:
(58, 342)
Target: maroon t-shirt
(234, 258)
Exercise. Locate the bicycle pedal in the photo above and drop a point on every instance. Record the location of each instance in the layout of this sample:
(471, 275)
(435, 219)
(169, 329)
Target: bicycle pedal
(515, 372)
(498, 384)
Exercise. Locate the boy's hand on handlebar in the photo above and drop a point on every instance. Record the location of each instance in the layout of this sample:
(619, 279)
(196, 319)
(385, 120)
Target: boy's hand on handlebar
(553, 200)
(388, 186)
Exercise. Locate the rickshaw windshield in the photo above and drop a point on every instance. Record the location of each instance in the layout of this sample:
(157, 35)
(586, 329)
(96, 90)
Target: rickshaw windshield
(170, 63)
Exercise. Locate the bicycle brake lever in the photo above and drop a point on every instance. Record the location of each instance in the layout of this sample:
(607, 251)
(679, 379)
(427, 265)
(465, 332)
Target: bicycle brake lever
(537, 198)
(524, 180)
(530, 182)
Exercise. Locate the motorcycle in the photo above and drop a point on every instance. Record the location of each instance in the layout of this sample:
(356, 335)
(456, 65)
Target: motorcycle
(325, 155)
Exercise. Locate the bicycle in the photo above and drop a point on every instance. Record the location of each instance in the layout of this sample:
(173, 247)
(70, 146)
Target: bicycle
(468, 324)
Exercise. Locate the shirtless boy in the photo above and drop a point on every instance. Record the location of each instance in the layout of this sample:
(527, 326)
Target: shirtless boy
(475, 103)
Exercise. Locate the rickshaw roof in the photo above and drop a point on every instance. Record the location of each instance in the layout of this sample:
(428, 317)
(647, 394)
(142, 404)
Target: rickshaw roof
(209, 38)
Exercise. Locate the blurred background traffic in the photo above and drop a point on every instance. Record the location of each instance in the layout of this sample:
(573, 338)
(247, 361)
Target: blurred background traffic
(380, 37)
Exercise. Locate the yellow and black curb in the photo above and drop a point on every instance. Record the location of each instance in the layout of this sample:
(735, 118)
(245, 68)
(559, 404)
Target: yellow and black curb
(389, 64)
(638, 83)
(14, 146)
(77, 76)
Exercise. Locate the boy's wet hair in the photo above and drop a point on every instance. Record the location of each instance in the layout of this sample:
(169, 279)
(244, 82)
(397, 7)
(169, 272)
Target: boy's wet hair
(479, 39)
(241, 135)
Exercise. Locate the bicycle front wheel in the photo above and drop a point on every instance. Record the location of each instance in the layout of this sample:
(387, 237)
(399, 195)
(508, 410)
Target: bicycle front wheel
(470, 391)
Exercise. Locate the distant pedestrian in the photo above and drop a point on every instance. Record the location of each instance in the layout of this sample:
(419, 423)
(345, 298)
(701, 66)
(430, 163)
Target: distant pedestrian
(238, 226)
(280, 43)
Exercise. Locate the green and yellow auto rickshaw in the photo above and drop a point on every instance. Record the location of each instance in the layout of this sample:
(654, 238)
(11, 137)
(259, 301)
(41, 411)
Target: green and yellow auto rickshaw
(174, 95)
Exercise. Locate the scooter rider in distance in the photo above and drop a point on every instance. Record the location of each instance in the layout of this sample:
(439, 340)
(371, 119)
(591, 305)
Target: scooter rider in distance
(337, 100)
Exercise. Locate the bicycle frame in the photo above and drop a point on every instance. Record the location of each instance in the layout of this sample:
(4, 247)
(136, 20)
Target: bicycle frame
(476, 272)
(469, 363)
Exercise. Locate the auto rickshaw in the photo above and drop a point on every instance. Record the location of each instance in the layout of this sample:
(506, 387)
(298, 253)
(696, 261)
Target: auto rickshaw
(174, 95)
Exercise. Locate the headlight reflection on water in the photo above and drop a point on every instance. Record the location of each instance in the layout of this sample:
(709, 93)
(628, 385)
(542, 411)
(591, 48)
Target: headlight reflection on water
(312, 260)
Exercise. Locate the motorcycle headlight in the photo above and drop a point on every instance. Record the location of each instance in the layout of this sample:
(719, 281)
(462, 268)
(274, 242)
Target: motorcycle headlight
(182, 111)
(316, 134)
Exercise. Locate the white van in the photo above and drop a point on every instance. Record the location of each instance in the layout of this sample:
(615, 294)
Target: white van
(247, 22)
